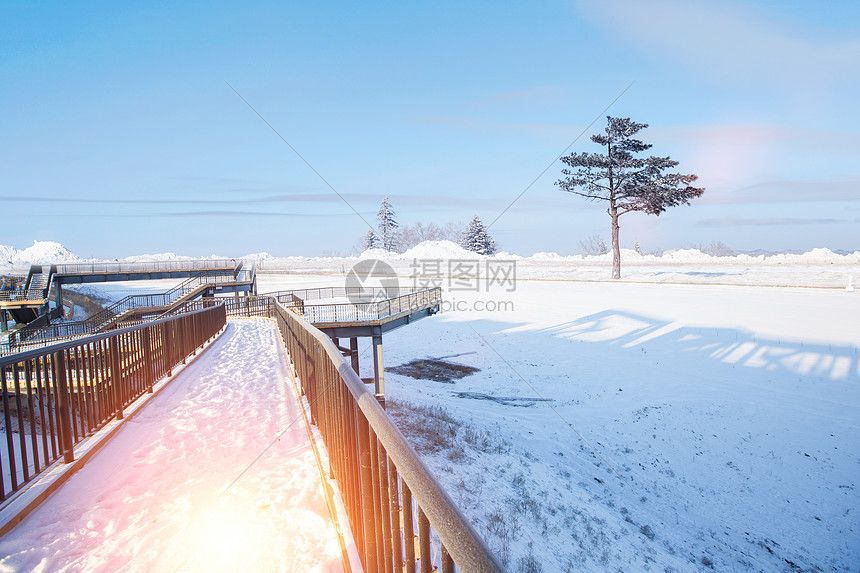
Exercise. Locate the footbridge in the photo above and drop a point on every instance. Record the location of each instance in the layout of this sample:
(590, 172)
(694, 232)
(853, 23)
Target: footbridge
(387, 504)
(204, 278)
(31, 303)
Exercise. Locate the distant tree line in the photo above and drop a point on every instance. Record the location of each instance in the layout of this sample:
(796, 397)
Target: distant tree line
(390, 236)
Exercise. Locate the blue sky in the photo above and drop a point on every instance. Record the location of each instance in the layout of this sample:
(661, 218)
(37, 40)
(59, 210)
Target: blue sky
(119, 134)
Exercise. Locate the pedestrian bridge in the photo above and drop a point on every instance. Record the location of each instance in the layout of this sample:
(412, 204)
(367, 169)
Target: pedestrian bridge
(388, 510)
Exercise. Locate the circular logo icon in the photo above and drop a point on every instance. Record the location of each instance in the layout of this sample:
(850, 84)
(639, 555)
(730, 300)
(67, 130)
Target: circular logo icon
(371, 280)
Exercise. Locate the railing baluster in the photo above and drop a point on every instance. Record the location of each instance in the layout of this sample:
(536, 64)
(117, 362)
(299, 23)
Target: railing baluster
(31, 411)
(7, 420)
(385, 508)
(43, 417)
(396, 530)
(408, 527)
(64, 406)
(424, 542)
(447, 562)
(22, 435)
(368, 530)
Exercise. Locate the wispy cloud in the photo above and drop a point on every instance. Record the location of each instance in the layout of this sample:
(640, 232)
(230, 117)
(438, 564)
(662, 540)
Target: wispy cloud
(358, 198)
(242, 214)
(84, 200)
(728, 41)
(786, 191)
(766, 222)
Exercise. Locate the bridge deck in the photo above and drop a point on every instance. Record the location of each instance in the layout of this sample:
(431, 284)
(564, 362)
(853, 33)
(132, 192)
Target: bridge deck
(216, 473)
(125, 271)
(344, 313)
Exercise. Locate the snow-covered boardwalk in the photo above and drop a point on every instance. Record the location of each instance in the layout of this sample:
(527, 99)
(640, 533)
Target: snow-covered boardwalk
(216, 473)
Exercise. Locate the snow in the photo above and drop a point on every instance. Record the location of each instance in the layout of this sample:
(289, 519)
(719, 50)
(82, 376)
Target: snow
(438, 250)
(375, 254)
(191, 482)
(816, 268)
(704, 409)
(689, 424)
(720, 421)
(40, 253)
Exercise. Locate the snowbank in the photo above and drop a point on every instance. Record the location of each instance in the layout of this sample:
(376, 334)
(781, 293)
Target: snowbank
(438, 250)
(43, 252)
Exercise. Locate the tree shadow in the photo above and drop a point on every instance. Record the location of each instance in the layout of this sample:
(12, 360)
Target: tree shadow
(738, 347)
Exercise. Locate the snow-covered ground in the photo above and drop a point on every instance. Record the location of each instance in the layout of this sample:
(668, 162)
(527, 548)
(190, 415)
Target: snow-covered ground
(215, 474)
(816, 268)
(702, 413)
(689, 427)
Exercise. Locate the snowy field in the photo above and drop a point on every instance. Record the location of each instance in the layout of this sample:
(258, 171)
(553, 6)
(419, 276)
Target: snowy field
(180, 487)
(702, 413)
(687, 427)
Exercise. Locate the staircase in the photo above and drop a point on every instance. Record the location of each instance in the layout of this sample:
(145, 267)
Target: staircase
(26, 306)
(132, 308)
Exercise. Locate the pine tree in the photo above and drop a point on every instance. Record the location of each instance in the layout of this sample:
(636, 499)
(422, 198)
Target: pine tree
(627, 183)
(370, 240)
(476, 239)
(387, 225)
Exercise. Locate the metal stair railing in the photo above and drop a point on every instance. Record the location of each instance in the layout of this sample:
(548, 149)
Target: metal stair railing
(111, 314)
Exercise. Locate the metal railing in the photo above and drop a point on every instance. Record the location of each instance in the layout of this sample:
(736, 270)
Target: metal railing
(355, 294)
(371, 311)
(54, 397)
(39, 334)
(19, 294)
(248, 306)
(146, 266)
(396, 508)
(382, 303)
(392, 500)
(36, 288)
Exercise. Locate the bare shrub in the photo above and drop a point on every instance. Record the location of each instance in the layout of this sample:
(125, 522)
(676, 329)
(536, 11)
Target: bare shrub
(715, 249)
(593, 245)
(430, 429)
(647, 532)
(529, 563)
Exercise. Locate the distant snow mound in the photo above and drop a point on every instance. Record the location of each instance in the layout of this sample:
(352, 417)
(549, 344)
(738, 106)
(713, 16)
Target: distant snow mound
(258, 258)
(438, 250)
(544, 256)
(813, 256)
(156, 257)
(375, 254)
(44, 253)
(7, 253)
(688, 256)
